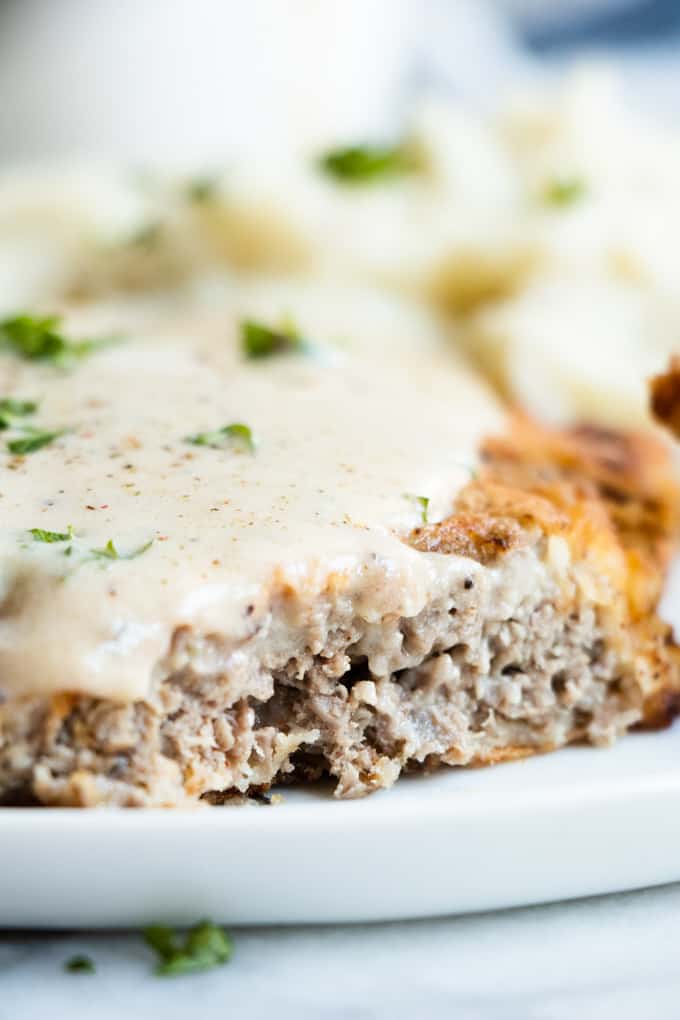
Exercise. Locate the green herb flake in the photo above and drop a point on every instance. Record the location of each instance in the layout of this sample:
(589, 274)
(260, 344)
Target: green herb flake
(40, 535)
(41, 339)
(204, 947)
(17, 408)
(109, 552)
(564, 191)
(33, 337)
(260, 341)
(11, 409)
(161, 939)
(80, 964)
(32, 440)
(237, 435)
(423, 502)
(202, 190)
(362, 164)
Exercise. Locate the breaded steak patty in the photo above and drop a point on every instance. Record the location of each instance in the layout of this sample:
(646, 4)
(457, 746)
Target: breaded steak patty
(542, 632)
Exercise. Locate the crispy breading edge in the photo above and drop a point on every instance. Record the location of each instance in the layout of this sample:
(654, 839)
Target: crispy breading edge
(664, 396)
(611, 495)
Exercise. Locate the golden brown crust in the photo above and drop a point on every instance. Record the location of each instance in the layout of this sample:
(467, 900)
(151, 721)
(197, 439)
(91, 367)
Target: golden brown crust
(664, 393)
(660, 710)
(480, 536)
(602, 480)
(588, 484)
(516, 752)
(611, 496)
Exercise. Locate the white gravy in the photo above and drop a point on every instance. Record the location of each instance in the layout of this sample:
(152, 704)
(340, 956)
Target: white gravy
(346, 440)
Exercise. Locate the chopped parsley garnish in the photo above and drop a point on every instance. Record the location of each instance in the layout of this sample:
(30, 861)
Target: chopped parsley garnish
(15, 409)
(109, 552)
(563, 191)
(237, 434)
(202, 189)
(80, 964)
(424, 503)
(33, 337)
(360, 164)
(260, 341)
(32, 440)
(204, 946)
(40, 535)
(40, 339)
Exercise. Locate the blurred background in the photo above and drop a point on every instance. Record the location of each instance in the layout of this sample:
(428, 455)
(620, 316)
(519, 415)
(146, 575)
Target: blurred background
(539, 227)
(193, 80)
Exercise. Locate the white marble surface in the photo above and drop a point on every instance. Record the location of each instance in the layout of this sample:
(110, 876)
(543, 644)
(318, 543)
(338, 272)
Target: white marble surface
(609, 958)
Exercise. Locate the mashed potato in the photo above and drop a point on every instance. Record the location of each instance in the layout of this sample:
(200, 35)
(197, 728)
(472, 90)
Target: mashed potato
(543, 234)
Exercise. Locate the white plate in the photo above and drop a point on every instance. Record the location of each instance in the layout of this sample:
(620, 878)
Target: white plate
(574, 823)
